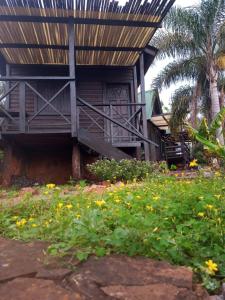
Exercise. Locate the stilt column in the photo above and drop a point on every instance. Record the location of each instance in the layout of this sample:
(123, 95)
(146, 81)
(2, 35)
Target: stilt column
(76, 166)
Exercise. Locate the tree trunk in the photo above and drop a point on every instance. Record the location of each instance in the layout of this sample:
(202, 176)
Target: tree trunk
(215, 105)
(194, 105)
(222, 98)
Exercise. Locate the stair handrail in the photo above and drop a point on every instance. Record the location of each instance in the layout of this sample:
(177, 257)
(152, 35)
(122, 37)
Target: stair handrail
(116, 122)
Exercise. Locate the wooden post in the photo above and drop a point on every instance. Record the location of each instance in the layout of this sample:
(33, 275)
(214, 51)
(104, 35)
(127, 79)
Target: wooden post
(72, 64)
(145, 128)
(7, 85)
(22, 107)
(76, 170)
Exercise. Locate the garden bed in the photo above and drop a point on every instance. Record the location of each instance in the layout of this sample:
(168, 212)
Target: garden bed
(180, 221)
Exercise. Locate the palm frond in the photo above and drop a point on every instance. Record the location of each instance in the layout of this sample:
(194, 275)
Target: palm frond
(181, 100)
(217, 122)
(184, 69)
(174, 44)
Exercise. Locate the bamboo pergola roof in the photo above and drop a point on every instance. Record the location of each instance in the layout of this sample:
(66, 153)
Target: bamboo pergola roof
(161, 121)
(106, 33)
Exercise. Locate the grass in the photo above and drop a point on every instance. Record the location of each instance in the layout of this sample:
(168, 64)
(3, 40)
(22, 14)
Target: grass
(180, 221)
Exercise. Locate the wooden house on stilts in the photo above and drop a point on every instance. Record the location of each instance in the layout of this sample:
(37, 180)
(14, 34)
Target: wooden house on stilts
(71, 71)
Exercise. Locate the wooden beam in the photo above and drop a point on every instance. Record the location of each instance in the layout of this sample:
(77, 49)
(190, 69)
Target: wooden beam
(151, 50)
(7, 85)
(72, 63)
(90, 21)
(145, 128)
(28, 78)
(76, 162)
(66, 47)
(22, 107)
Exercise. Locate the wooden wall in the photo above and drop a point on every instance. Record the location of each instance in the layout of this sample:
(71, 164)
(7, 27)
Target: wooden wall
(155, 135)
(91, 86)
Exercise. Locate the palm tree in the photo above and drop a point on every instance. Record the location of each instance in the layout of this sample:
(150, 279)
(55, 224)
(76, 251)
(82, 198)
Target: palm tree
(195, 38)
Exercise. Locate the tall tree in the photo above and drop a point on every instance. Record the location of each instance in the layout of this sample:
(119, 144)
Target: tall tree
(195, 38)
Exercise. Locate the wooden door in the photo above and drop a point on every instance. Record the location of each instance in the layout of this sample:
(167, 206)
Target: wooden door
(118, 96)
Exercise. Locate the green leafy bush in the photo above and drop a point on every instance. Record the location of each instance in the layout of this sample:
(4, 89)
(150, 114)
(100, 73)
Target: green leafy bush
(207, 135)
(125, 169)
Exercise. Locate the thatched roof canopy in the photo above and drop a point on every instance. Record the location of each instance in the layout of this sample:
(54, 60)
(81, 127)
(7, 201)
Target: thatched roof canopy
(106, 33)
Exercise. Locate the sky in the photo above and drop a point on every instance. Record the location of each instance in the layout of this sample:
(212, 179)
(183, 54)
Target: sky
(166, 93)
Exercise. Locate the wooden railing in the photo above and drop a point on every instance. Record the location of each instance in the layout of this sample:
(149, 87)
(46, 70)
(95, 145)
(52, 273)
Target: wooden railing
(180, 150)
(132, 123)
(111, 123)
(23, 121)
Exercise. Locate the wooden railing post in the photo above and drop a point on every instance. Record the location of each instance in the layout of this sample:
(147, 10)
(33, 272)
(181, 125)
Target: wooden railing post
(72, 64)
(111, 124)
(22, 107)
(144, 118)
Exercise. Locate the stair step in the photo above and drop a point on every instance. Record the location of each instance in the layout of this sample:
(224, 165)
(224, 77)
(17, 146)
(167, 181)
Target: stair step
(100, 146)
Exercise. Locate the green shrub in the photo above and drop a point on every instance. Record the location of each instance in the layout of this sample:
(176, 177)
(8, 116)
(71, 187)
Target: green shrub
(125, 170)
(173, 167)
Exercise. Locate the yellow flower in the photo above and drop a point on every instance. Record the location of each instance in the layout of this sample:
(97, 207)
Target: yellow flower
(21, 223)
(69, 206)
(77, 216)
(138, 197)
(117, 200)
(155, 198)
(209, 206)
(201, 214)
(60, 205)
(212, 267)
(50, 186)
(100, 203)
(217, 174)
(34, 225)
(149, 207)
(46, 192)
(193, 163)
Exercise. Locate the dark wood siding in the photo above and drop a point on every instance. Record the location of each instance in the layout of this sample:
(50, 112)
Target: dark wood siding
(91, 86)
(154, 134)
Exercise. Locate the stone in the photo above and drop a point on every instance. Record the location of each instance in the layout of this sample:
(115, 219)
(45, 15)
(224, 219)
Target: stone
(149, 292)
(35, 289)
(120, 270)
(216, 297)
(223, 290)
(20, 259)
(200, 292)
(121, 277)
(53, 274)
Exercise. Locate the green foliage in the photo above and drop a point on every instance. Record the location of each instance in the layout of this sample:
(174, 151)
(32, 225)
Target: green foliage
(125, 170)
(163, 218)
(185, 38)
(173, 167)
(206, 134)
(198, 153)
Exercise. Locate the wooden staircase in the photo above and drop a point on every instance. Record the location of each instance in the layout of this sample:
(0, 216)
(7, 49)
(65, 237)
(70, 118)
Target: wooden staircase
(176, 151)
(100, 146)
